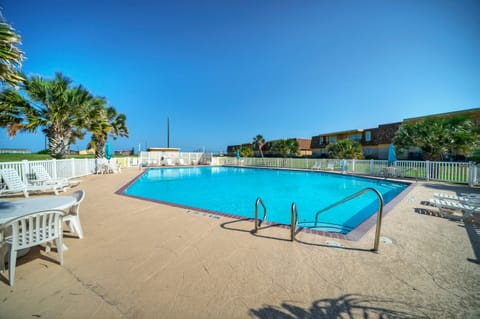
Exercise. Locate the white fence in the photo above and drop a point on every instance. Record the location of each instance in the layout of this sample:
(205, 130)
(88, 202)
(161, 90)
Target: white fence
(163, 158)
(67, 168)
(455, 172)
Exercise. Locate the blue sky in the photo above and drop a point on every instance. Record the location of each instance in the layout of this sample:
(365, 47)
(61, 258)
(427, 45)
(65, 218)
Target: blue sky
(225, 71)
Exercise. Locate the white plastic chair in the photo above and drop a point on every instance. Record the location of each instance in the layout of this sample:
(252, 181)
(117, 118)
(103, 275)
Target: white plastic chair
(16, 185)
(44, 178)
(32, 230)
(73, 218)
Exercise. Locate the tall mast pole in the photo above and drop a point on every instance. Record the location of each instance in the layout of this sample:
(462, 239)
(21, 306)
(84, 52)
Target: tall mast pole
(168, 132)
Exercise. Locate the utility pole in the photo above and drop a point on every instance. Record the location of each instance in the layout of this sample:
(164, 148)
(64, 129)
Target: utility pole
(168, 132)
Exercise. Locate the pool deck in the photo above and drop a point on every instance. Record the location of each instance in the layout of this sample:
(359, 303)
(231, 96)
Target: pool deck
(141, 259)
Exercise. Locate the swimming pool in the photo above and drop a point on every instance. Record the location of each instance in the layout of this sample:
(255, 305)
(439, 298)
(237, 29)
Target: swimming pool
(234, 190)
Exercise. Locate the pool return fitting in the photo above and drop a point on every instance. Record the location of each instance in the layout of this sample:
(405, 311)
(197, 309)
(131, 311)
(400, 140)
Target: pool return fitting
(294, 214)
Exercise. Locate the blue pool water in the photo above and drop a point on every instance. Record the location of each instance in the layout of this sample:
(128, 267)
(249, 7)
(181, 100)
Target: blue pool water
(233, 190)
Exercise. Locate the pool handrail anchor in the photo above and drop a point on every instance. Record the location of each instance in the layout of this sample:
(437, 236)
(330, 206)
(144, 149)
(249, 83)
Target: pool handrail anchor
(259, 223)
(293, 221)
(379, 215)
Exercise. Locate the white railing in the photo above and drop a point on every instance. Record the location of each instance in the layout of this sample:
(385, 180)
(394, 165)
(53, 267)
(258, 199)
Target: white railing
(455, 172)
(166, 158)
(67, 168)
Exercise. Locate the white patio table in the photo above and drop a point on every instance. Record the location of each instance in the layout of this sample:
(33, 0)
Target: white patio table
(18, 208)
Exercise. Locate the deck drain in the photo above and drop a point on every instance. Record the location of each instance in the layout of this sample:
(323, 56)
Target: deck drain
(333, 243)
(385, 240)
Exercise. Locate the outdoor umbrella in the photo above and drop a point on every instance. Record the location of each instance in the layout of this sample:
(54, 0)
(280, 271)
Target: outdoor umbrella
(392, 157)
(108, 151)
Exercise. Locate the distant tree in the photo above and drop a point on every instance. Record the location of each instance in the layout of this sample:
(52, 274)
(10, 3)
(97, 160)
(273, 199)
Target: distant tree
(345, 149)
(11, 56)
(439, 138)
(102, 122)
(258, 143)
(53, 106)
(246, 151)
(286, 147)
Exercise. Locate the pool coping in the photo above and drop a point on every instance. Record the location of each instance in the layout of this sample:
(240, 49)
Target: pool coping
(354, 235)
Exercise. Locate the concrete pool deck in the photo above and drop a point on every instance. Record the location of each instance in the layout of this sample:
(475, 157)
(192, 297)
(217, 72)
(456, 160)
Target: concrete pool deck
(141, 259)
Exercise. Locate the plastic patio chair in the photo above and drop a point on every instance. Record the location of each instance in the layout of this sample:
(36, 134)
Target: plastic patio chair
(73, 216)
(32, 230)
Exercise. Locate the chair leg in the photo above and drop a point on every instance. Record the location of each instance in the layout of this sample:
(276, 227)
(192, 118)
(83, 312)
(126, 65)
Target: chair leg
(3, 252)
(59, 244)
(77, 226)
(11, 266)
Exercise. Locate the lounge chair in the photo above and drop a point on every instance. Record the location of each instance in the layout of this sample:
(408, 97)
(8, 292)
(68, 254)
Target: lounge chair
(447, 208)
(331, 165)
(14, 184)
(467, 199)
(317, 165)
(44, 178)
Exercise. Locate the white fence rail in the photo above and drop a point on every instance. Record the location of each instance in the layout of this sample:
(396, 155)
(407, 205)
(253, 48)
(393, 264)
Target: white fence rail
(455, 172)
(68, 168)
(167, 158)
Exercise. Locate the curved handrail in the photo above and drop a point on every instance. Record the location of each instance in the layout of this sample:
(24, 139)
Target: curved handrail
(259, 223)
(293, 221)
(379, 215)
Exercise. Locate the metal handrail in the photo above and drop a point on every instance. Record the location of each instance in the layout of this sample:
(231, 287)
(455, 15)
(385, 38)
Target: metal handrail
(259, 223)
(379, 215)
(293, 221)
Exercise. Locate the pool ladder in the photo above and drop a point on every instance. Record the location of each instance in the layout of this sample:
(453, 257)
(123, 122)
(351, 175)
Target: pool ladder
(379, 215)
(294, 214)
(293, 221)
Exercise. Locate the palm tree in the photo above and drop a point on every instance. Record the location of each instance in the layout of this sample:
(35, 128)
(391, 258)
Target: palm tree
(286, 147)
(345, 149)
(104, 121)
(438, 138)
(10, 55)
(53, 106)
(258, 143)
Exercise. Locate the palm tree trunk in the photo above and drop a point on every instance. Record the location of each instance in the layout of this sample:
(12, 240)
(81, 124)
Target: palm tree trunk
(59, 142)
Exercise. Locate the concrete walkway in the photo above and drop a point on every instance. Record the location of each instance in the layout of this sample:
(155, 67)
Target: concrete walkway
(141, 259)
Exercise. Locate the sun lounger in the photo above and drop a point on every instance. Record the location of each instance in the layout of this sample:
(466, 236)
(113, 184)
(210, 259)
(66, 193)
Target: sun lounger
(14, 184)
(317, 165)
(447, 208)
(43, 178)
(467, 199)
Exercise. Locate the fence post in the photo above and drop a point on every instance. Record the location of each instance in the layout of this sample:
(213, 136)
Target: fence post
(353, 166)
(371, 166)
(472, 174)
(427, 170)
(24, 171)
(54, 165)
(73, 167)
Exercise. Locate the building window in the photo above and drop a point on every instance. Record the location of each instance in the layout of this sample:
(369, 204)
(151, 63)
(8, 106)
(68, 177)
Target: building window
(332, 139)
(355, 138)
(368, 136)
(368, 151)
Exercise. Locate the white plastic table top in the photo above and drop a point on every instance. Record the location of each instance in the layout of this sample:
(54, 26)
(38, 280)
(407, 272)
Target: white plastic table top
(18, 208)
